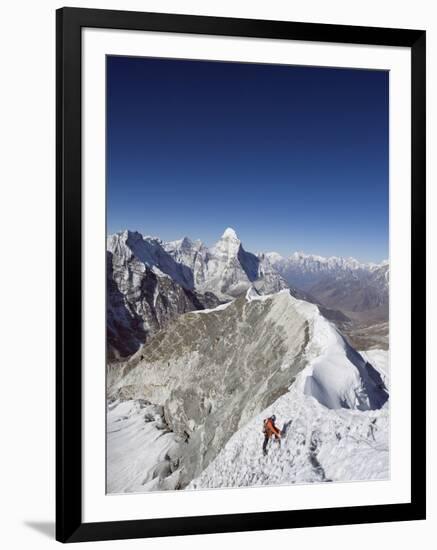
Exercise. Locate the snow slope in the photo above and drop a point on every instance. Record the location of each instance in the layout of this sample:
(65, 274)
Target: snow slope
(318, 444)
(138, 447)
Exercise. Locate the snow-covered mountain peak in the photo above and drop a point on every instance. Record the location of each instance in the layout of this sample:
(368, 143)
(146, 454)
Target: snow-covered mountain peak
(228, 246)
(149, 252)
(186, 243)
(272, 256)
(230, 233)
(128, 234)
(128, 237)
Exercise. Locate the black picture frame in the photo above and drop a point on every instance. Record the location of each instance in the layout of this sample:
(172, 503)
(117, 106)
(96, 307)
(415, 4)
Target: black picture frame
(69, 525)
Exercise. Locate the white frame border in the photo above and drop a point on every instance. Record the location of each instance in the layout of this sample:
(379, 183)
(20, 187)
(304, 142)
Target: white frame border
(97, 506)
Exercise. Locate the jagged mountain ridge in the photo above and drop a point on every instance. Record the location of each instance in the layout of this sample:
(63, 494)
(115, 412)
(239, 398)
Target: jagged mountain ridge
(313, 263)
(150, 282)
(213, 371)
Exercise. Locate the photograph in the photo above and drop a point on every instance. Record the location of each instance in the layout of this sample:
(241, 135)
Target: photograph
(247, 263)
(218, 275)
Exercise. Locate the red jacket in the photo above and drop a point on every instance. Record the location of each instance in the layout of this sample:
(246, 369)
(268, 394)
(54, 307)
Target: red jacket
(270, 429)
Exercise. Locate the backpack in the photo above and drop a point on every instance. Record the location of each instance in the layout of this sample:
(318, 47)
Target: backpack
(265, 425)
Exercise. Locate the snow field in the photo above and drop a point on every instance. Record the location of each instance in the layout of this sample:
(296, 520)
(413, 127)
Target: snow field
(138, 447)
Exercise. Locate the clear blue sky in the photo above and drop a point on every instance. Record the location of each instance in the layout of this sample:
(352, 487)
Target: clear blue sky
(293, 158)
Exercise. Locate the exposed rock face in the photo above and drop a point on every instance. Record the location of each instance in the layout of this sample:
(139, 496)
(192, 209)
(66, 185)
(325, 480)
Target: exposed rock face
(213, 371)
(191, 254)
(148, 251)
(125, 330)
(140, 302)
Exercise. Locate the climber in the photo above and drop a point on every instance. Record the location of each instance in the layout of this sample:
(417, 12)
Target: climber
(270, 430)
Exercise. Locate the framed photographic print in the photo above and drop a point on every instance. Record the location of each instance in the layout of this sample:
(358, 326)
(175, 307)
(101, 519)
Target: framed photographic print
(240, 274)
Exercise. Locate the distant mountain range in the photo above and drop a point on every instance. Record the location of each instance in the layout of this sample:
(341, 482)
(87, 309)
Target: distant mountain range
(340, 283)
